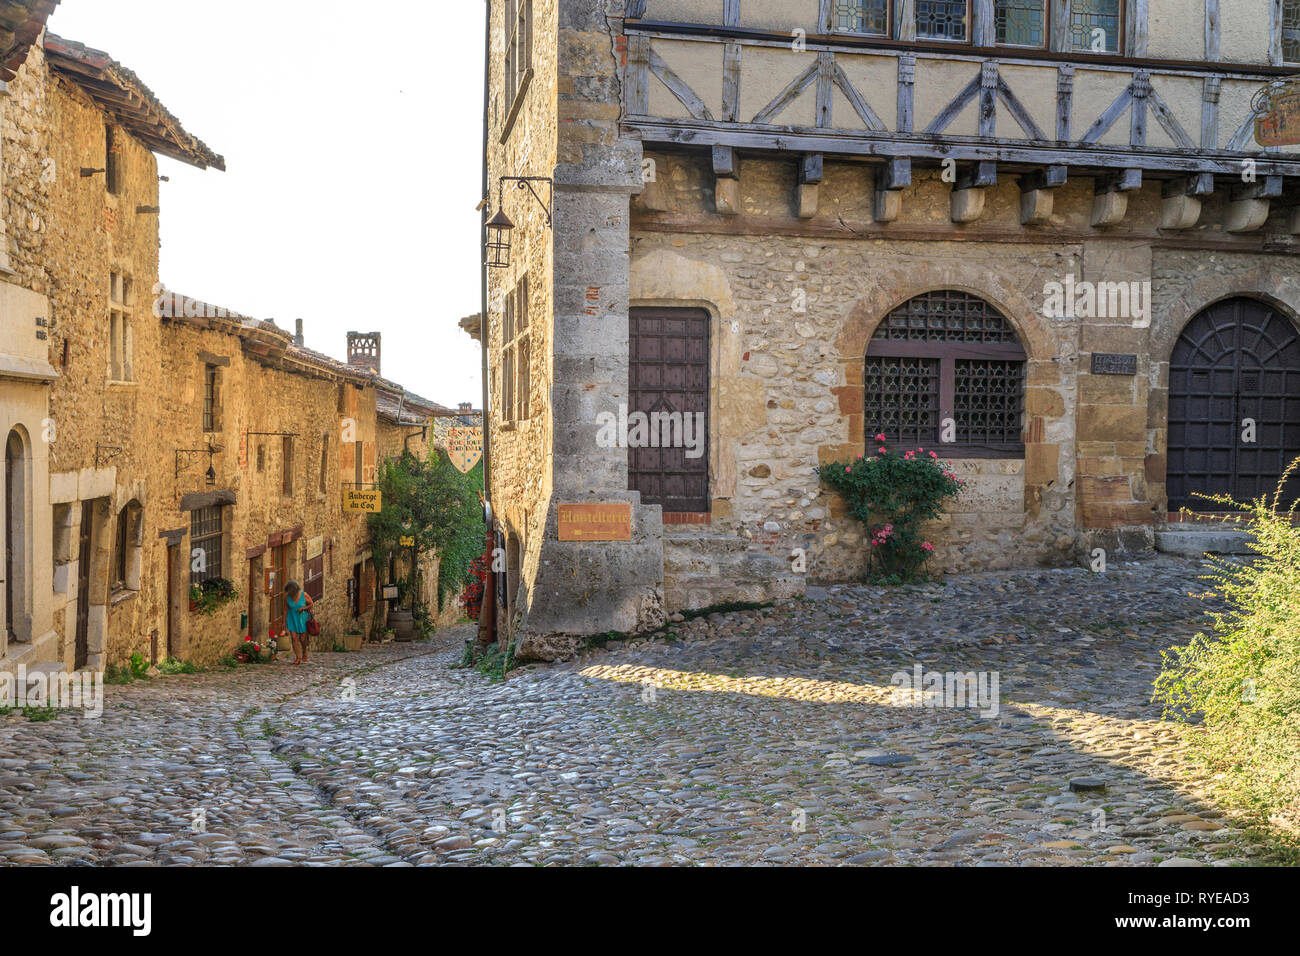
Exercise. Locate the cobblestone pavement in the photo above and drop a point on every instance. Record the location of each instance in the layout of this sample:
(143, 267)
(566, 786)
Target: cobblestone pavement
(769, 736)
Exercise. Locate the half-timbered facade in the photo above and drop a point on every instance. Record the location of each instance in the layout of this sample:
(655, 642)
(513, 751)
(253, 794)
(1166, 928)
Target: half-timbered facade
(1045, 224)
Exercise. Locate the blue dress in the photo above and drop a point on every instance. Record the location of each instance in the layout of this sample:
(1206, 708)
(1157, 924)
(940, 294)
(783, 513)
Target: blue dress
(296, 617)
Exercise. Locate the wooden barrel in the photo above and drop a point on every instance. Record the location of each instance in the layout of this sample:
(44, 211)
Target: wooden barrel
(403, 624)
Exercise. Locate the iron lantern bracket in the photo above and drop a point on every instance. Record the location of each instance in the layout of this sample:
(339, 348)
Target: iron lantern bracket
(188, 456)
(526, 182)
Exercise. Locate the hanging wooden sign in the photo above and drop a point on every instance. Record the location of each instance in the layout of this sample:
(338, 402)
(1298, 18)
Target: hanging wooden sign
(1279, 122)
(362, 501)
(465, 447)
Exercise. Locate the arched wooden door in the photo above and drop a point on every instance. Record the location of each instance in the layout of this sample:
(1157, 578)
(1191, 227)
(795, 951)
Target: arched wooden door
(1235, 364)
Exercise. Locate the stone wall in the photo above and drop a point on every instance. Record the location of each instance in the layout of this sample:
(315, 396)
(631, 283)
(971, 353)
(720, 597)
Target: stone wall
(795, 301)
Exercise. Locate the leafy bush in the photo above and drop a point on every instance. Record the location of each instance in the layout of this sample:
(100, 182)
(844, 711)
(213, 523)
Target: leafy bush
(471, 598)
(174, 666)
(211, 596)
(893, 494)
(1240, 685)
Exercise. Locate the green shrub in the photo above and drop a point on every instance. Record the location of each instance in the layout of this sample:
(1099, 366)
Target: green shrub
(173, 666)
(1240, 685)
(893, 494)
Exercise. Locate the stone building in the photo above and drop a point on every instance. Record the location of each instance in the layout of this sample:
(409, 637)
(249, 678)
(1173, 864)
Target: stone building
(154, 442)
(1042, 229)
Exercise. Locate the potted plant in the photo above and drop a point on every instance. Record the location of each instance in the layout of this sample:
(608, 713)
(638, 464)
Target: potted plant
(352, 640)
(249, 652)
(208, 597)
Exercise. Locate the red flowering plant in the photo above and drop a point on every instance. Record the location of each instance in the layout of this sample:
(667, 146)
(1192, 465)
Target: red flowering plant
(894, 494)
(471, 598)
(250, 649)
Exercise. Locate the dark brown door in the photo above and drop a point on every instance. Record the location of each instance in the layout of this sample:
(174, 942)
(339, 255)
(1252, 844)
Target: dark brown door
(1235, 364)
(278, 608)
(83, 585)
(172, 638)
(669, 376)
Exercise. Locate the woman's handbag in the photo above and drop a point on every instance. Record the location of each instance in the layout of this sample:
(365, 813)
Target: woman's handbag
(313, 625)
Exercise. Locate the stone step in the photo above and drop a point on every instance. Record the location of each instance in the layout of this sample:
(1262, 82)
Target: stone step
(1198, 541)
(42, 653)
(701, 571)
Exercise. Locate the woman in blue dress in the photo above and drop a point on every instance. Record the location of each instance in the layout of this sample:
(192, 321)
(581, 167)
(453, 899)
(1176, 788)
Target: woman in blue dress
(297, 604)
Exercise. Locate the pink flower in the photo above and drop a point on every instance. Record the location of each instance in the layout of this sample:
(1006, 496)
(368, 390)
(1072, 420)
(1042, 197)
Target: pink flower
(847, 468)
(926, 546)
(880, 437)
(880, 451)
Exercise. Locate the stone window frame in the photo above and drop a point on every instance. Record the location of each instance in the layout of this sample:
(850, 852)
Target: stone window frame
(517, 60)
(945, 352)
(121, 334)
(211, 542)
(128, 546)
(516, 355)
(286, 463)
(211, 398)
(113, 160)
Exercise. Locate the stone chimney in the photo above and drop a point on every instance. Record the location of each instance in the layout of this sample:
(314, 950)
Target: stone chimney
(297, 334)
(466, 408)
(363, 350)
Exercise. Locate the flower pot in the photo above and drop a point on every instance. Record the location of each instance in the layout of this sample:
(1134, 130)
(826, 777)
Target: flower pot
(353, 641)
(242, 658)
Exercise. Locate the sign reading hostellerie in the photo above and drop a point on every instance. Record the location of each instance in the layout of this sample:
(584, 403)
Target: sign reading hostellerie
(362, 501)
(601, 522)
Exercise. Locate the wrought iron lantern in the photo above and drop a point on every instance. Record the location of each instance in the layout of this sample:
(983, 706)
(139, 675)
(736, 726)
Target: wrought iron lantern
(498, 240)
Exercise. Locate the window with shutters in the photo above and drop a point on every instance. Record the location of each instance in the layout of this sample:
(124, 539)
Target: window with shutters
(945, 371)
(1020, 23)
(516, 356)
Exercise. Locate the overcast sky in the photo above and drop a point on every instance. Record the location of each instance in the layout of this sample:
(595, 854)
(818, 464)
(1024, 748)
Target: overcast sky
(352, 135)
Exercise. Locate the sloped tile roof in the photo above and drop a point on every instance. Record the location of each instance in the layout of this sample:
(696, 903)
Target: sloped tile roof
(21, 23)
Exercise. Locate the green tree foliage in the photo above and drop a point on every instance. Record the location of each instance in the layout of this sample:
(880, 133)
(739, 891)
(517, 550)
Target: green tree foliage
(1239, 686)
(431, 501)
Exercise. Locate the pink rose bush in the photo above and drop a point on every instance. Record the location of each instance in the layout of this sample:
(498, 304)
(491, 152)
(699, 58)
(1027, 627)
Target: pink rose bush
(893, 494)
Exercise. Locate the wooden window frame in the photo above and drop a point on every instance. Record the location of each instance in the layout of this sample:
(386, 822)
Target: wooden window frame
(1121, 42)
(112, 160)
(1280, 42)
(1047, 29)
(947, 354)
(516, 355)
(967, 41)
(211, 398)
(829, 25)
(516, 68)
(120, 559)
(121, 336)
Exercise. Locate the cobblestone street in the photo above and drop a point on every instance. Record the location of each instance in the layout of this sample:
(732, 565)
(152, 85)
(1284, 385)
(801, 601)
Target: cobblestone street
(767, 736)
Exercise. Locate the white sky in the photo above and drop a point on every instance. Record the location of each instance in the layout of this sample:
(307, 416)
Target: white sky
(352, 135)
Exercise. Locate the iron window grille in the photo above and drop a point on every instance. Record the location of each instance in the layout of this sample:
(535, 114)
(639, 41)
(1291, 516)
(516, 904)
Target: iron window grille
(207, 537)
(946, 355)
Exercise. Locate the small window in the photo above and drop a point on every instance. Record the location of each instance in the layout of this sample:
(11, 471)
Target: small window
(121, 299)
(1291, 31)
(286, 479)
(127, 548)
(324, 461)
(358, 464)
(947, 355)
(865, 17)
(516, 355)
(942, 20)
(1020, 23)
(206, 544)
(519, 45)
(211, 398)
(1095, 25)
(261, 457)
(112, 161)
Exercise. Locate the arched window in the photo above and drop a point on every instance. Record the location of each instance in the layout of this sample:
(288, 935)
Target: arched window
(946, 371)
